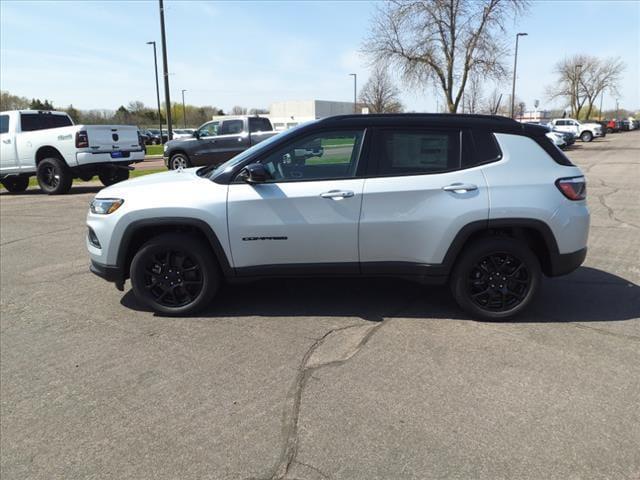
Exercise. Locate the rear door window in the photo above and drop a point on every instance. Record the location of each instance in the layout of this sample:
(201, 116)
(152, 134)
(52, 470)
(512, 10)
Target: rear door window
(417, 151)
(231, 127)
(259, 124)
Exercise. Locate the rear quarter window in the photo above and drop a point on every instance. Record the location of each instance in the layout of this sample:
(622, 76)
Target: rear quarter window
(479, 147)
(30, 122)
(4, 123)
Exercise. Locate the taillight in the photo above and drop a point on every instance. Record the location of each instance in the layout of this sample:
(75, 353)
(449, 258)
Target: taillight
(82, 139)
(574, 188)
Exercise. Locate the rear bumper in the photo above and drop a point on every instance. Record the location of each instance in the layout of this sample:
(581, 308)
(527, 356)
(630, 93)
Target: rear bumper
(564, 263)
(108, 273)
(88, 158)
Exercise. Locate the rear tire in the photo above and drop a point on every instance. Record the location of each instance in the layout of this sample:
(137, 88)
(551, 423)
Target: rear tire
(16, 184)
(175, 274)
(495, 278)
(54, 176)
(110, 176)
(586, 136)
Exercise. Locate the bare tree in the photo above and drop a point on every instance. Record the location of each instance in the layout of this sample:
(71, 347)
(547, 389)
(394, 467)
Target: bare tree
(238, 110)
(581, 80)
(379, 94)
(473, 96)
(443, 41)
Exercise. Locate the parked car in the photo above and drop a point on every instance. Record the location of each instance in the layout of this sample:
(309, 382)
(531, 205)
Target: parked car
(182, 133)
(156, 138)
(585, 131)
(48, 145)
(625, 125)
(217, 141)
(484, 203)
(613, 126)
(557, 138)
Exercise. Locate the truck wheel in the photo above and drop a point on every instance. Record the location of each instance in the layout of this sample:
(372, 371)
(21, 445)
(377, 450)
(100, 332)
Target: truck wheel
(495, 278)
(586, 136)
(174, 274)
(54, 177)
(110, 175)
(16, 184)
(179, 160)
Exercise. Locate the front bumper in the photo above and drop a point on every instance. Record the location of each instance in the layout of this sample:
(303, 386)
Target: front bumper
(108, 273)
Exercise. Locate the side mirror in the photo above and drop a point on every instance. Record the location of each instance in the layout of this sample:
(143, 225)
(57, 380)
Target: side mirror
(255, 173)
(196, 134)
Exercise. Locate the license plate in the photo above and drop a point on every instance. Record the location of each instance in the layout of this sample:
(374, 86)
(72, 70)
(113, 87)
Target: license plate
(116, 155)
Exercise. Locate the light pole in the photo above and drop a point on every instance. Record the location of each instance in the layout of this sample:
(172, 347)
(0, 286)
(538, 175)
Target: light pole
(355, 95)
(165, 71)
(617, 108)
(515, 66)
(184, 111)
(155, 69)
(601, 98)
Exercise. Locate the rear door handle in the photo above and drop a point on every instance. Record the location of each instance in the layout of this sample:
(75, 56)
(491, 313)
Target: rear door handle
(460, 187)
(337, 194)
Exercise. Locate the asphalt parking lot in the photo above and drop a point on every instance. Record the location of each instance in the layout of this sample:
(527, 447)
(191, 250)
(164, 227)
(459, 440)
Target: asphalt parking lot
(320, 379)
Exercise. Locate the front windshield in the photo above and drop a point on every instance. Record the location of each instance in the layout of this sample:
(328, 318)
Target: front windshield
(212, 171)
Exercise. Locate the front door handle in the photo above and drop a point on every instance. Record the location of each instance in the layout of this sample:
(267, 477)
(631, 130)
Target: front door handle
(7, 141)
(337, 194)
(460, 187)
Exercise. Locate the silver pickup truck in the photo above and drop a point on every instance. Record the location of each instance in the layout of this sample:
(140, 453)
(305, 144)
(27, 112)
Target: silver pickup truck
(217, 141)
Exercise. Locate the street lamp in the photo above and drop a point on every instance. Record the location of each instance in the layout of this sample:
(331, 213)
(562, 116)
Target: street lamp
(155, 69)
(165, 70)
(515, 66)
(184, 111)
(355, 81)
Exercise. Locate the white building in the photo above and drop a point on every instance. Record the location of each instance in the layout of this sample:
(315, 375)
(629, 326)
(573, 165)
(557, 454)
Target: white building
(288, 114)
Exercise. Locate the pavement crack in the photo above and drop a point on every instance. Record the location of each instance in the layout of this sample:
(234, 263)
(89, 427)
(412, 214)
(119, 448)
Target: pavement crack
(610, 212)
(319, 355)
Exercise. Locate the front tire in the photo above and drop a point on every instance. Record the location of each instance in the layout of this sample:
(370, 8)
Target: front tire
(495, 278)
(16, 184)
(586, 136)
(179, 160)
(54, 176)
(174, 274)
(110, 176)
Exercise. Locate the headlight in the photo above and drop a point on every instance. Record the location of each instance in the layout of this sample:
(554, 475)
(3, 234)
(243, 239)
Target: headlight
(105, 206)
(164, 147)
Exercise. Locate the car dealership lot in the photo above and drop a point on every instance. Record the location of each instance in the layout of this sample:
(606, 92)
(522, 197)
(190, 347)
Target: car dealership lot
(314, 379)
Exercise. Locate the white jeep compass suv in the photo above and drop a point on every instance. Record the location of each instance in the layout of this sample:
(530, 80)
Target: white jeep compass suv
(484, 203)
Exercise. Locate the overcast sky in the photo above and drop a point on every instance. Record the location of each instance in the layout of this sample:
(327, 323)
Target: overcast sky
(93, 53)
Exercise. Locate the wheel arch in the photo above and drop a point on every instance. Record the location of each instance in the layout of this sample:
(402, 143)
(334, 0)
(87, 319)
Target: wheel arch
(48, 151)
(535, 233)
(138, 232)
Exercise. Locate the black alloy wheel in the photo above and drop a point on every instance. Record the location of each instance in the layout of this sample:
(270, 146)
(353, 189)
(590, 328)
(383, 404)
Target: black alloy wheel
(173, 278)
(495, 277)
(174, 274)
(499, 282)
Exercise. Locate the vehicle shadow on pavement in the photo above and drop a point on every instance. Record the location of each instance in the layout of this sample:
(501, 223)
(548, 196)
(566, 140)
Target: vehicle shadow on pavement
(79, 189)
(587, 295)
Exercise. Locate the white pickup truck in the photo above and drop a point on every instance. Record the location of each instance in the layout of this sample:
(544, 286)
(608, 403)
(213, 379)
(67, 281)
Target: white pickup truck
(48, 145)
(584, 131)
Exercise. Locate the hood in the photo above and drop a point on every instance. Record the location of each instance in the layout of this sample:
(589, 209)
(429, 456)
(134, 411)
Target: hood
(179, 141)
(177, 178)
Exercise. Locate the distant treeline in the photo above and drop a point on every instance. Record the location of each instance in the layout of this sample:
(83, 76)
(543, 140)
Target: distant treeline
(135, 113)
